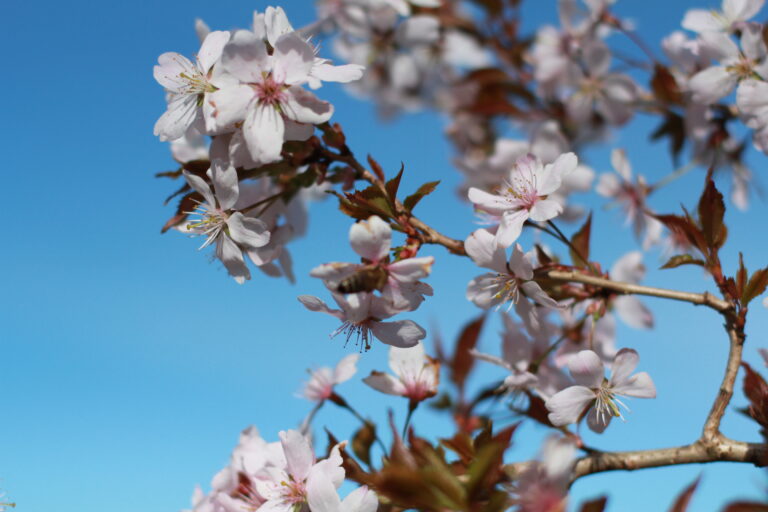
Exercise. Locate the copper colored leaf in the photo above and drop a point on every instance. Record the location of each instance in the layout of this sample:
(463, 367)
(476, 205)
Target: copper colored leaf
(537, 410)
(741, 278)
(685, 227)
(334, 136)
(412, 200)
(683, 259)
(580, 244)
(186, 204)
(377, 170)
(684, 498)
(363, 440)
(596, 505)
(756, 391)
(673, 127)
(460, 443)
(665, 86)
(463, 361)
(393, 185)
(746, 506)
(711, 212)
(755, 286)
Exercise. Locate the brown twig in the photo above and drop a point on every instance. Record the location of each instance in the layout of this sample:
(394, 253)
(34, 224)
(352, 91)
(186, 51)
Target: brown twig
(704, 299)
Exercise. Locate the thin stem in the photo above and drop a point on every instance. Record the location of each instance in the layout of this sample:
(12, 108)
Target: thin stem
(677, 173)
(412, 405)
(704, 299)
(345, 405)
(567, 242)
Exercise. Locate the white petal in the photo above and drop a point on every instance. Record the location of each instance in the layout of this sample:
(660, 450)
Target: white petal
(566, 406)
(597, 423)
(639, 385)
(586, 368)
(701, 20)
(276, 23)
(519, 264)
(174, 123)
(321, 493)
(211, 49)
(385, 383)
(633, 312)
(403, 333)
(245, 57)
(293, 59)
(263, 130)
(304, 107)
(371, 238)
(361, 499)
(624, 364)
(545, 209)
(299, 456)
(232, 257)
(712, 84)
(346, 368)
(511, 227)
(248, 232)
(407, 361)
(482, 248)
(410, 270)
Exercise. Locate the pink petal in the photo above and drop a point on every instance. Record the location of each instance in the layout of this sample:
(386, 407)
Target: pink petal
(545, 209)
(211, 49)
(385, 383)
(639, 385)
(411, 269)
(346, 368)
(263, 131)
(633, 312)
(293, 59)
(403, 333)
(511, 227)
(304, 107)
(299, 456)
(248, 232)
(481, 247)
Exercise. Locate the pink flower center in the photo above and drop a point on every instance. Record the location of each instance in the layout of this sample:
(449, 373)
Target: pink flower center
(269, 91)
(293, 493)
(520, 190)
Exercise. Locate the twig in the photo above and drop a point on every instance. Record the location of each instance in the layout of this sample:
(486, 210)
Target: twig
(705, 299)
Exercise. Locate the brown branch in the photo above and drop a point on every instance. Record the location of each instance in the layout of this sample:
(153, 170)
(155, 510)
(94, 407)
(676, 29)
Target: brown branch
(736, 338)
(705, 299)
(718, 449)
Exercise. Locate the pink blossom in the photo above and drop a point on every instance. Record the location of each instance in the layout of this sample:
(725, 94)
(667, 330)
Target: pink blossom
(731, 17)
(416, 374)
(322, 381)
(361, 315)
(524, 195)
(510, 279)
(397, 281)
(597, 395)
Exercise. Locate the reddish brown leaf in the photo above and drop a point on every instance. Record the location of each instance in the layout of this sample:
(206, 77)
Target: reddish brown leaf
(186, 204)
(665, 86)
(756, 391)
(393, 185)
(741, 278)
(756, 286)
(685, 228)
(377, 170)
(580, 244)
(363, 440)
(684, 498)
(412, 200)
(596, 505)
(683, 259)
(711, 213)
(746, 506)
(463, 361)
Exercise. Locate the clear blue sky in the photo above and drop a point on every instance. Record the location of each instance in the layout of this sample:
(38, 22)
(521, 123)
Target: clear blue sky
(129, 364)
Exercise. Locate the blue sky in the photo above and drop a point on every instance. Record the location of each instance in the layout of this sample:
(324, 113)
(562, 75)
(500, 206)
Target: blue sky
(130, 363)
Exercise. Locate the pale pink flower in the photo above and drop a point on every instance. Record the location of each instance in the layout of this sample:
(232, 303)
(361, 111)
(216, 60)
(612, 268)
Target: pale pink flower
(631, 194)
(398, 281)
(715, 82)
(188, 86)
(731, 17)
(524, 195)
(630, 269)
(361, 315)
(264, 91)
(597, 335)
(285, 489)
(416, 374)
(510, 279)
(543, 487)
(596, 394)
(323, 380)
(230, 231)
(521, 353)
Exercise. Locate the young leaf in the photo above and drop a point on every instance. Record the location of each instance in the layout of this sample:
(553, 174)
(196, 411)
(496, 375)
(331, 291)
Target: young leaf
(756, 286)
(377, 170)
(756, 391)
(684, 498)
(463, 361)
(412, 200)
(711, 212)
(683, 259)
(393, 185)
(362, 442)
(580, 244)
(596, 505)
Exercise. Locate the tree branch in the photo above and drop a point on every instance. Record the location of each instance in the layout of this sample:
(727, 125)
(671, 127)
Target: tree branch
(705, 299)
(719, 449)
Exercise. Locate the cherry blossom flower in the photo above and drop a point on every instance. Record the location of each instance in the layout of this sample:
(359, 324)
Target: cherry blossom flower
(322, 381)
(322, 496)
(731, 17)
(631, 195)
(264, 91)
(398, 281)
(416, 374)
(188, 86)
(523, 354)
(599, 335)
(524, 195)
(595, 395)
(630, 269)
(232, 232)
(597, 90)
(543, 486)
(361, 315)
(715, 82)
(510, 279)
